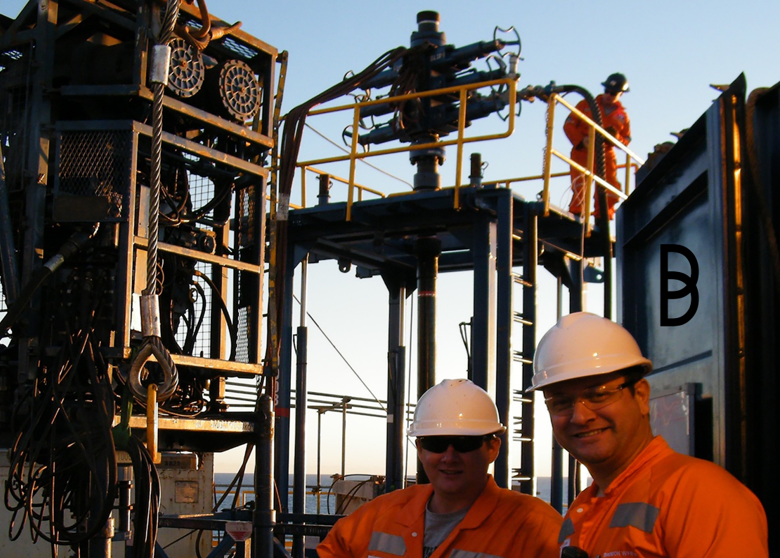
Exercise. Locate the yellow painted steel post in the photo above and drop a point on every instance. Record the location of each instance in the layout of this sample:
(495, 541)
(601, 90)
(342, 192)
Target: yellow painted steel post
(589, 177)
(628, 173)
(461, 131)
(548, 152)
(152, 423)
(303, 186)
(352, 161)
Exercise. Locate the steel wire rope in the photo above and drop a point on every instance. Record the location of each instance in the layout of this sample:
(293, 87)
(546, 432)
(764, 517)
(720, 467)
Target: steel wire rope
(361, 160)
(332, 344)
(152, 344)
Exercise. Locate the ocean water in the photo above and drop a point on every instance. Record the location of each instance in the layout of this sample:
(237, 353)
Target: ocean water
(327, 500)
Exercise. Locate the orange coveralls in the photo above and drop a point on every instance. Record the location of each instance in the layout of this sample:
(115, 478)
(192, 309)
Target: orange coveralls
(666, 504)
(576, 130)
(500, 523)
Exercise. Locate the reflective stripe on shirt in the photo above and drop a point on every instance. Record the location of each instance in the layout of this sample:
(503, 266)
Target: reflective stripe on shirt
(384, 542)
(635, 514)
(567, 530)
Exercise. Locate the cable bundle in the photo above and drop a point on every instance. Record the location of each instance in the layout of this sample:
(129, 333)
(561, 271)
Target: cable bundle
(63, 468)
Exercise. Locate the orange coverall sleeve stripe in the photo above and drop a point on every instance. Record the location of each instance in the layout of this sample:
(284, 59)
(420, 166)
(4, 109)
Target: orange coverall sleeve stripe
(669, 505)
(501, 523)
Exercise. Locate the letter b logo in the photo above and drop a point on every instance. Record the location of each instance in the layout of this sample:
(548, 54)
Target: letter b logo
(689, 282)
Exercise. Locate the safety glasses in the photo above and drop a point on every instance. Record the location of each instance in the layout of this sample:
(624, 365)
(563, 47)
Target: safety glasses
(593, 398)
(461, 444)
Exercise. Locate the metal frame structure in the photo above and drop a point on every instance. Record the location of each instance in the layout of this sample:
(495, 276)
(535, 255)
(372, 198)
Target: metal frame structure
(75, 129)
(494, 232)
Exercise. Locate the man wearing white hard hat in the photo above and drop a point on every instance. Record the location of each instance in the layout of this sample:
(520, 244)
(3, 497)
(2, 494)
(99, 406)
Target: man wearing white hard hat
(462, 512)
(646, 499)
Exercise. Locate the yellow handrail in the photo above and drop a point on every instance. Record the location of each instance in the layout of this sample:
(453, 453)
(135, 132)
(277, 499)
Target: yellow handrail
(460, 141)
(359, 187)
(632, 159)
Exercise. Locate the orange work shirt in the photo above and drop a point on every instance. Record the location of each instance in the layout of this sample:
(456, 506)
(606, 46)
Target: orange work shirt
(666, 504)
(500, 523)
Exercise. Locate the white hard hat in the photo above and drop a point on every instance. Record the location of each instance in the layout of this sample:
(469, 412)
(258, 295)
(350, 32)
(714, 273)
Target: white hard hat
(455, 408)
(583, 344)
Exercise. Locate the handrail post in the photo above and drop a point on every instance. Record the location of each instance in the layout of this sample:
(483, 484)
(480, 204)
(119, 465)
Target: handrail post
(628, 173)
(303, 186)
(548, 152)
(589, 177)
(352, 160)
(461, 131)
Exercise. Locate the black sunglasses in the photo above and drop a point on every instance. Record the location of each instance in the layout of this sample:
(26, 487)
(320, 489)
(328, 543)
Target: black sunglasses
(461, 444)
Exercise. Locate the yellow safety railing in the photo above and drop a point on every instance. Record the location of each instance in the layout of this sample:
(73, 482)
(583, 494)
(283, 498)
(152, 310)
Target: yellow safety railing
(460, 141)
(633, 161)
(360, 188)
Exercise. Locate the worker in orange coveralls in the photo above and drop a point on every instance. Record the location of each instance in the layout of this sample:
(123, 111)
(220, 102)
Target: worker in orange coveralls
(646, 500)
(616, 122)
(462, 512)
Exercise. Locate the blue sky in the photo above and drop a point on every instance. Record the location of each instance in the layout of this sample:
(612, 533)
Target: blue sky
(671, 51)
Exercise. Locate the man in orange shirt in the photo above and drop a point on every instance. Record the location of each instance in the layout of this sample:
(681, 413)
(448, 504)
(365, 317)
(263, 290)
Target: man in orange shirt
(462, 512)
(616, 122)
(646, 500)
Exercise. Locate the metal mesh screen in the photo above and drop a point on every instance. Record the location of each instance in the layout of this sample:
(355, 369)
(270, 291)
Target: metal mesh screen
(242, 341)
(247, 289)
(243, 50)
(96, 164)
(201, 191)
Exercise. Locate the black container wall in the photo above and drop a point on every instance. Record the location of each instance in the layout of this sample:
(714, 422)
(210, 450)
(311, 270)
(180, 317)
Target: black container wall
(698, 287)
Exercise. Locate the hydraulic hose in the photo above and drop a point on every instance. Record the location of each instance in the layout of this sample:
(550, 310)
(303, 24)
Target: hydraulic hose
(601, 169)
(598, 118)
(76, 241)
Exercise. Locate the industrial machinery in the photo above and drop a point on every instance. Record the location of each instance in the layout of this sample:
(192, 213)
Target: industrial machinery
(133, 211)
(146, 190)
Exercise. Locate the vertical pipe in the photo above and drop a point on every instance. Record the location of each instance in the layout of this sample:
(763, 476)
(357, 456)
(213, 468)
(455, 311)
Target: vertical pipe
(319, 456)
(475, 176)
(283, 394)
(396, 381)
(264, 517)
(323, 197)
(530, 264)
(504, 314)
(556, 461)
(428, 250)
(556, 480)
(483, 333)
(124, 489)
(344, 402)
(575, 305)
(301, 404)
(299, 468)
(99, 546)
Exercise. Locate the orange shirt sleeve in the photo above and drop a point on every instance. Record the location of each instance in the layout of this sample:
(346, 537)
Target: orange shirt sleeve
(574, 128)
(712, 515)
